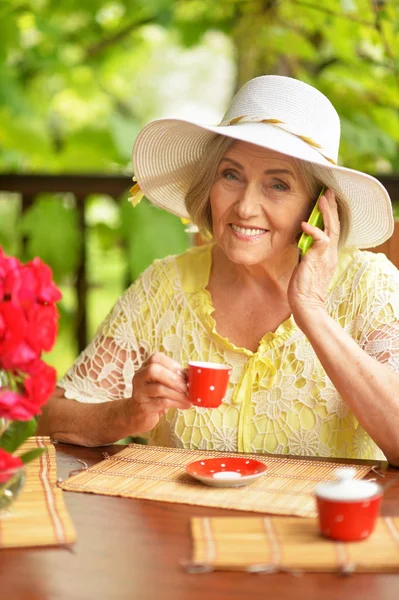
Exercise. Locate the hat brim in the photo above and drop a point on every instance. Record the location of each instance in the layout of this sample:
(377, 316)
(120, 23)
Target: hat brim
(167, 151)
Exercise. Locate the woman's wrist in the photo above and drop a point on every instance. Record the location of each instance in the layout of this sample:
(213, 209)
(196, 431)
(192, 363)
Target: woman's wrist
(310, 317)
(124, 416)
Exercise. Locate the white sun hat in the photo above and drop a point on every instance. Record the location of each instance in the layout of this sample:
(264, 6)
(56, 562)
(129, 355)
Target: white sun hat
(274, 112)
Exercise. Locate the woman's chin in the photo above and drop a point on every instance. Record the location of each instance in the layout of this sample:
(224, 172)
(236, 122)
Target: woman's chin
(248, 256)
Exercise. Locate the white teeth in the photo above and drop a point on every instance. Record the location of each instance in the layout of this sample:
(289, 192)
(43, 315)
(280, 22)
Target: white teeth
(245, 231)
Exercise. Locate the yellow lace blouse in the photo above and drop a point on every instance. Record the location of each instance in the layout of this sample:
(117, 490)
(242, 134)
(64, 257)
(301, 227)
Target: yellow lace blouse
(280, 399)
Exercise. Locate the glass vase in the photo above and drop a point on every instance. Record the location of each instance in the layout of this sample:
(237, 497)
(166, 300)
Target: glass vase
(3, 383)
(11, 484)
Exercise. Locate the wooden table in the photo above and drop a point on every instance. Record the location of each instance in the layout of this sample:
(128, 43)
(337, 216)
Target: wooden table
(132, 549)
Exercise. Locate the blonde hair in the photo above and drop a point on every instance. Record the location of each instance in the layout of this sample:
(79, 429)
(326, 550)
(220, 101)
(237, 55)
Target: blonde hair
(197, 198)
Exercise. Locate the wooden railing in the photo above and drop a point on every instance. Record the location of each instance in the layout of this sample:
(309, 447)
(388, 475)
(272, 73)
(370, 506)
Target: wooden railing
(82, 186)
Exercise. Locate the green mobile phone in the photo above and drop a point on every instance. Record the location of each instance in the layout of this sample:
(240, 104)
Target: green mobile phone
(315, 219)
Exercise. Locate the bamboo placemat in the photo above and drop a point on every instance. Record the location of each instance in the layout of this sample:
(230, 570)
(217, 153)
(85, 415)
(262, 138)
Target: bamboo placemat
(272, 544)
(157, 473)
(38, 517)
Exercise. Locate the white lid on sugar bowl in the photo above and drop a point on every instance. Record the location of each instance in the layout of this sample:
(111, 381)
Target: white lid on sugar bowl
(346, 488)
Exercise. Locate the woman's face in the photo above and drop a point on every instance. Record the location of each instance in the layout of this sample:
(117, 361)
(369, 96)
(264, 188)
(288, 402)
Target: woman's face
(258, 201)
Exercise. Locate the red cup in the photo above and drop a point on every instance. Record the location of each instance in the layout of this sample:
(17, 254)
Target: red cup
(348, 521)
(207, 383)
(348, 508)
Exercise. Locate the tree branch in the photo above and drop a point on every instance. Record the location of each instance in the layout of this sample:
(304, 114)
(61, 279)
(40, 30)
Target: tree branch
(99, 47)
(388, 50)
(333, 13)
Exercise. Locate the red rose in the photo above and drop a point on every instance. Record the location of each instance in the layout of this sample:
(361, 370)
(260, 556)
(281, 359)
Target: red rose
(16, 357)
(26, 284)
(2, 324)
(8, 465)
(47, 291)
(40, 383)
(15, 351)
(21, 287)
(13, 322)
(16, 407)
(7, 264)
(42, 327)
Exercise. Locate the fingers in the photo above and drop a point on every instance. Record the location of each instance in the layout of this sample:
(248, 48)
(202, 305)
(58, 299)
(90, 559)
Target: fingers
(161, 368)
(321, 243)
(161, 359)
(330, 232)
(160, 391)
(317, 234)
(157, 373)
(165, 404)
(329, 208)
(161, 384)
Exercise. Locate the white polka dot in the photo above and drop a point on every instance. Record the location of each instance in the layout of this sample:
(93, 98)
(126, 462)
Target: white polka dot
(247, 462)
(212, 388)
(229, 372)
(199, 371)
(222, 465)
(339, 518)
(211, 470)
(365, 504)
(199, 400)
(364, 534)
(202, 462)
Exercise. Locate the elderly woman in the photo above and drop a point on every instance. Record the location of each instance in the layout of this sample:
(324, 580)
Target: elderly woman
(313, 344)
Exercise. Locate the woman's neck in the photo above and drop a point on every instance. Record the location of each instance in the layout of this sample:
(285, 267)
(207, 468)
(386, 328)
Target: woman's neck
(269, 275)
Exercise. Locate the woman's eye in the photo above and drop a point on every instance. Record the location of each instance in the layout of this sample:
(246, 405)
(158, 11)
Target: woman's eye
(280, 187)
(230, 176)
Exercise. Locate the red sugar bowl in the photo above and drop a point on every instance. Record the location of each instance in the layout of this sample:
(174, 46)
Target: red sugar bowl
(348, 508)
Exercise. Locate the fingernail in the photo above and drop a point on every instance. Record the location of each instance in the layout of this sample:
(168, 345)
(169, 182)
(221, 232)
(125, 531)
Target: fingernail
(183, 387)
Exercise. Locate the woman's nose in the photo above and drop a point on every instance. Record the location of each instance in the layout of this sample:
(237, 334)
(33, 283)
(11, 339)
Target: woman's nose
(249, 202)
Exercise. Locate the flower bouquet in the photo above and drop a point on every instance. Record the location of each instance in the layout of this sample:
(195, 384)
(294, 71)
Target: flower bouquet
(28, 326)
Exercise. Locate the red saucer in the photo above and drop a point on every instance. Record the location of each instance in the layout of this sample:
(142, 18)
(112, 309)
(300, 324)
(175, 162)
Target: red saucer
(227, 471)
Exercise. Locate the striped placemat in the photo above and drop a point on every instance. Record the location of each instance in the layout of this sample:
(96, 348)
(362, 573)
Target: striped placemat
(38, 517)
(272, 544)
(157, 473)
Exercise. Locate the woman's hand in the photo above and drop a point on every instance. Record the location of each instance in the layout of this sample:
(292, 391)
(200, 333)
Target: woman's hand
(158, 385)
(310, 280)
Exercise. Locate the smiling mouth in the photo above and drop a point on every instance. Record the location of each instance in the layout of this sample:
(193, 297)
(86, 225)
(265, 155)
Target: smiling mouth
(248, 231)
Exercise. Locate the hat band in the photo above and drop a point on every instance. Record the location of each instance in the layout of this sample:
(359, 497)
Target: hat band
(280, 125)
(137, 194)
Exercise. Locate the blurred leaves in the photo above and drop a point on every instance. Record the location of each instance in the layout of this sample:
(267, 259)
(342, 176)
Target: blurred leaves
(52, 232)
(76, 77)
(149, 233)
(9, 212)
(16, 434)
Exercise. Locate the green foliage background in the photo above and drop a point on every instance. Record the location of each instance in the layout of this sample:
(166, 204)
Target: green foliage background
(79, 79)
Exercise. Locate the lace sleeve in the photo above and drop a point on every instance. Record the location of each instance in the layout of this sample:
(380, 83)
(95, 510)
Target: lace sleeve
(104, 370)
(377, 321)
